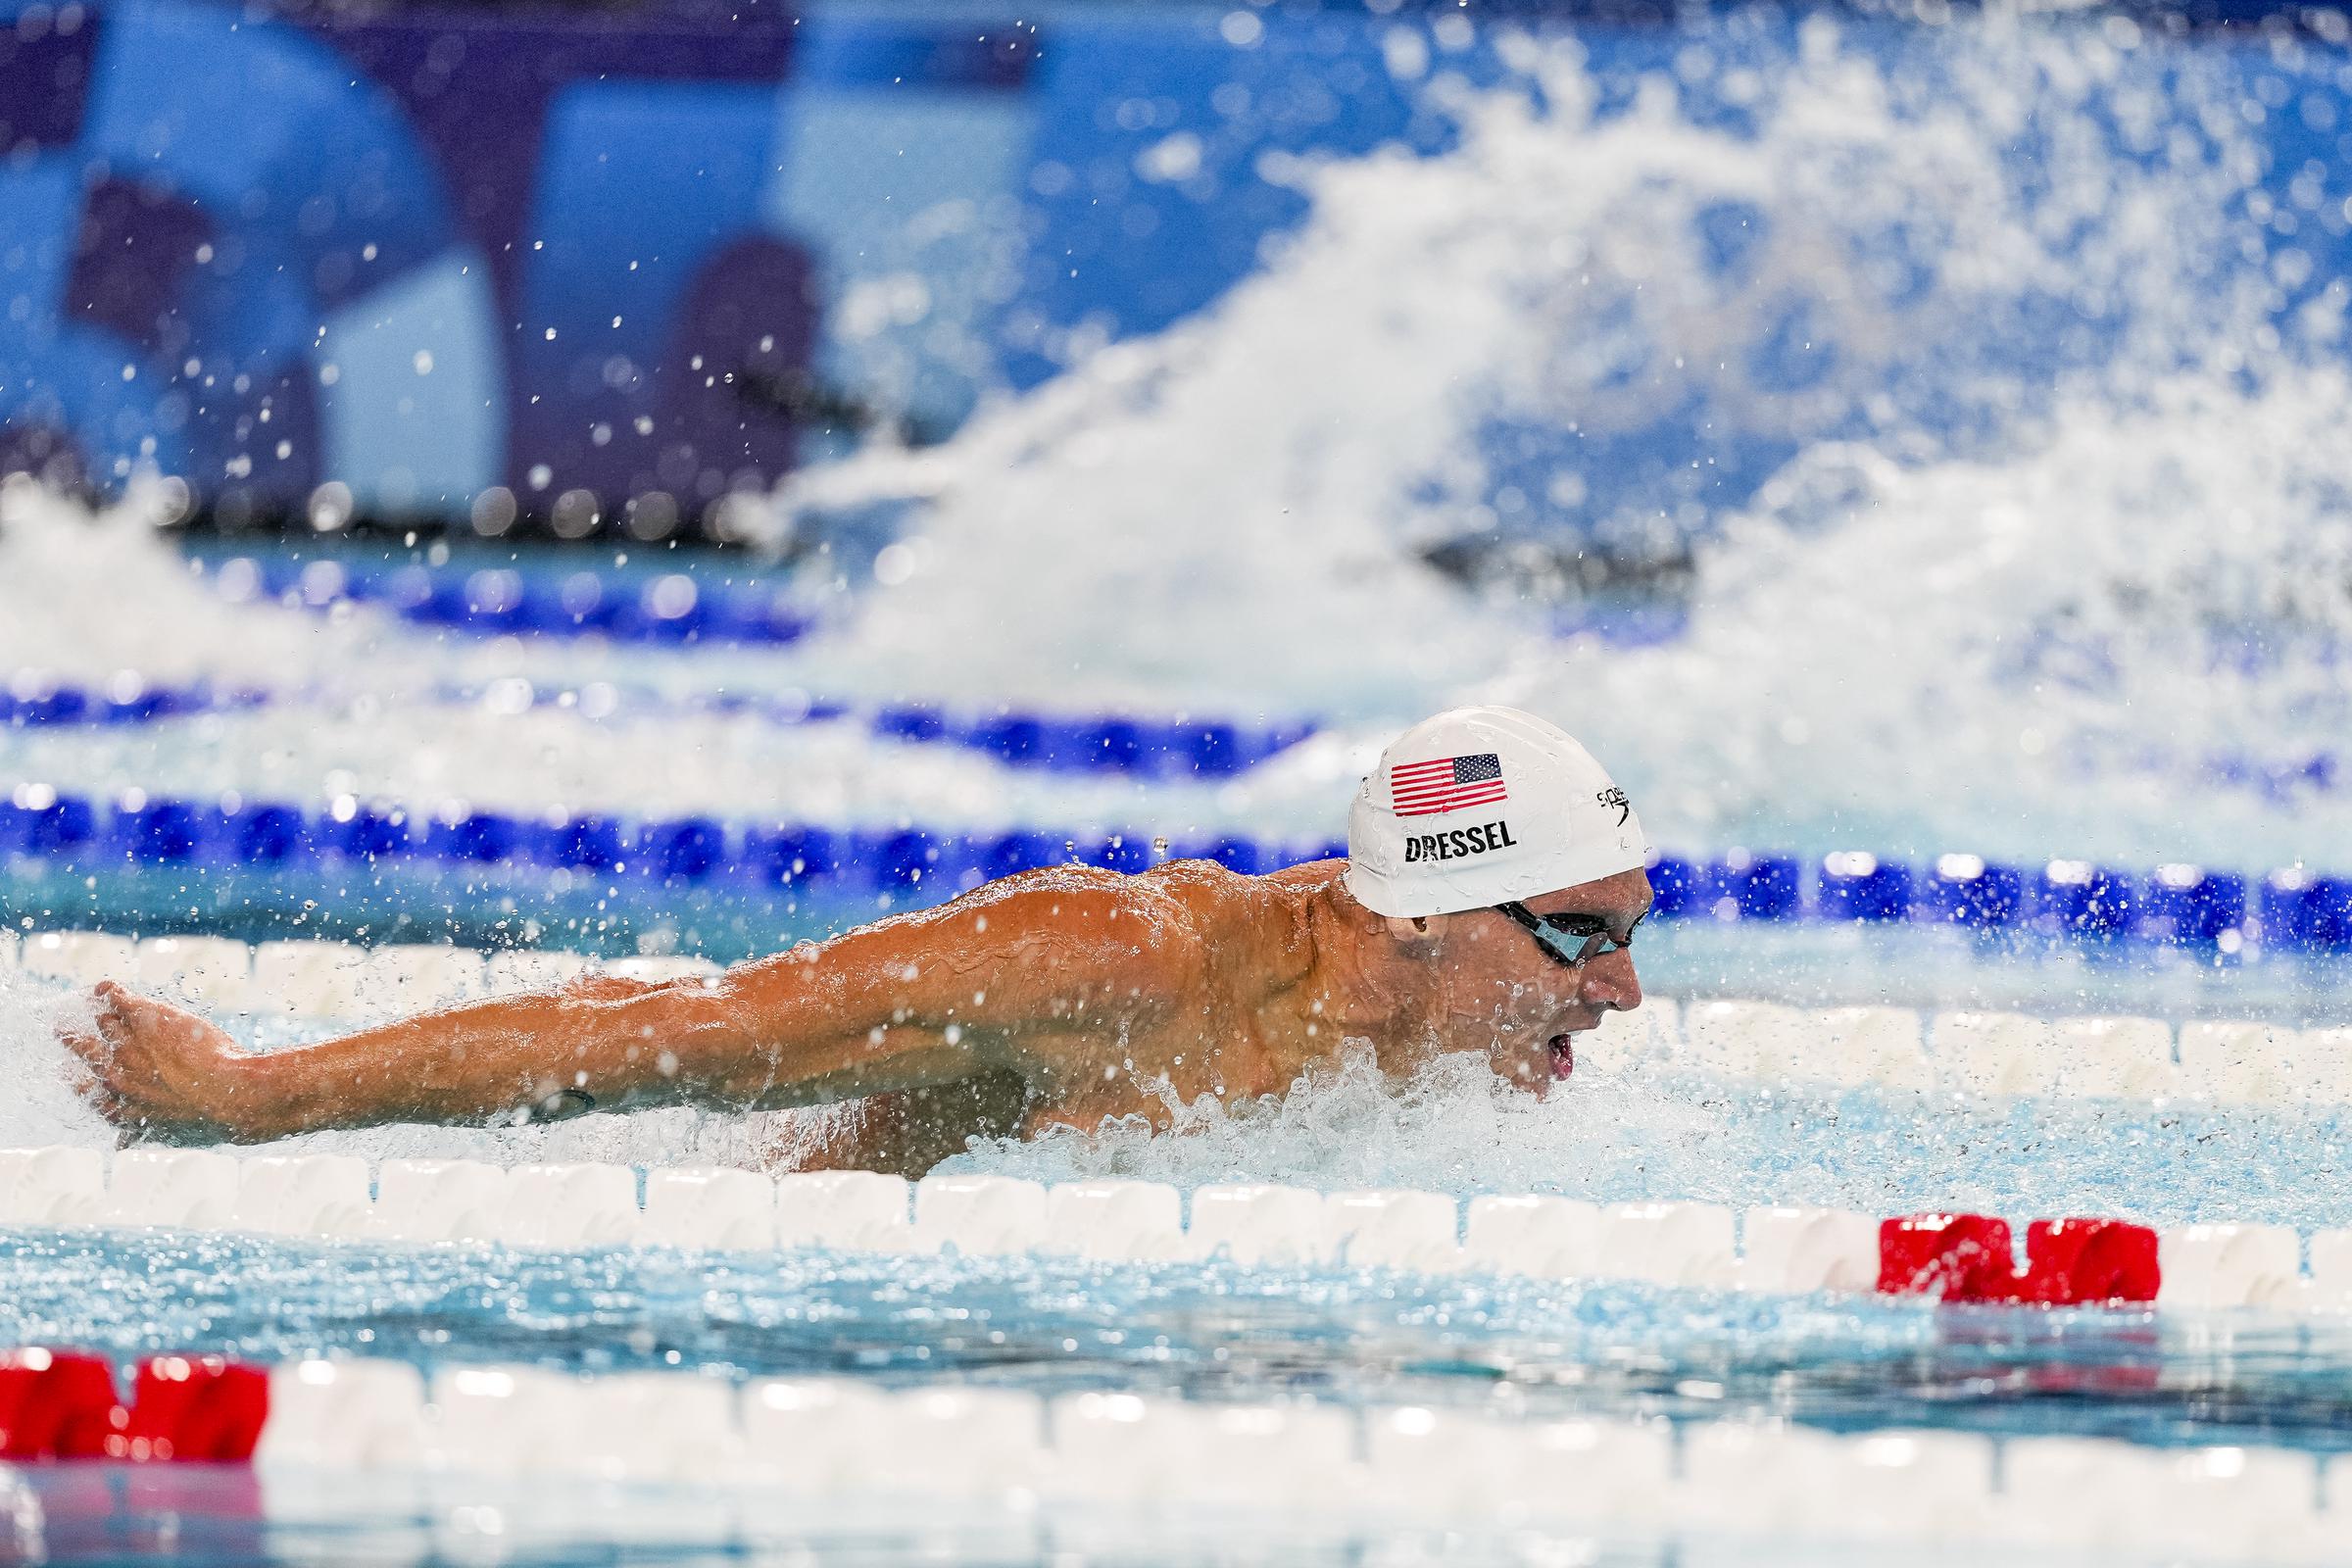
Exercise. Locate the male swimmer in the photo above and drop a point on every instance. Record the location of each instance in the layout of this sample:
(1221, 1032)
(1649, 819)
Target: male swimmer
(1492, 883)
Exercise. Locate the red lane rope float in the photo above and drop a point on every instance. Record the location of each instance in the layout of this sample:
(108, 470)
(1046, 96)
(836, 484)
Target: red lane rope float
(57, 1406)
(61, 1406)
(1970, 1257)
(2080, 1262)
(196, 1409)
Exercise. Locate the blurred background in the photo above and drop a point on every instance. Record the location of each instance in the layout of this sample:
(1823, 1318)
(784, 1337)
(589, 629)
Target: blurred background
(685, 476)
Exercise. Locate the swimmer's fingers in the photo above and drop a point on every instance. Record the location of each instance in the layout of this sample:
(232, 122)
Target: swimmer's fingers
(92, 1053)
(94, 1061)
(96, 1041)
(85, 1076)
(92, 1088)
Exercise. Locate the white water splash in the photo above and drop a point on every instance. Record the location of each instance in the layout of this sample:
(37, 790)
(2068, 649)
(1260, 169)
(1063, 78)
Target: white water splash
(1454, 1125)
(1455, 1128)
(2057, 473)
(39, 1106)
(91, 597)
(2051, 655)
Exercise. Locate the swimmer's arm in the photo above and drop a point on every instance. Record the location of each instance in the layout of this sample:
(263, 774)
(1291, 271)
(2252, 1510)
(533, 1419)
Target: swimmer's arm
(986, 984)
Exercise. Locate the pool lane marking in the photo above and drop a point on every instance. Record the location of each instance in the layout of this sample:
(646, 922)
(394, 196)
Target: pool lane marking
(1166, 749)
(2064, 905)
(1956, 1258)
(758, 1456)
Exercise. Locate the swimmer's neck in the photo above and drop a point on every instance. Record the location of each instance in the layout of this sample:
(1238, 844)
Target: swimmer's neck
(1360, 982)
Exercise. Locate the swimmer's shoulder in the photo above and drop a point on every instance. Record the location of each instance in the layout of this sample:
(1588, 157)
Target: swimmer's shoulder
(1215, 889)
(1183, 902)
(1254, 921)
(1075, 899)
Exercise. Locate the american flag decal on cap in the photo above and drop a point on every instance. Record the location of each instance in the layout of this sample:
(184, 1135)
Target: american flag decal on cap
(1445, 784)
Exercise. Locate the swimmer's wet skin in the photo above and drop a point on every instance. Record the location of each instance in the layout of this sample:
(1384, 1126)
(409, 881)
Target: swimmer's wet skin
(1492, 883)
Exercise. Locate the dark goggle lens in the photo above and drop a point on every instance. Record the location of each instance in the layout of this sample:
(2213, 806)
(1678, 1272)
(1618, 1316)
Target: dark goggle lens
(1572, 939)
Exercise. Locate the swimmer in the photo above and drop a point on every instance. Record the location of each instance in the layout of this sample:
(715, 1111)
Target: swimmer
(1494, 880)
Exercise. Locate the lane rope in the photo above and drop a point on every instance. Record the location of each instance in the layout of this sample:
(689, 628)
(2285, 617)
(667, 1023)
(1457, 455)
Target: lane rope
(754, 1458)
(1167, 750)
(2071, 903)
(1769, 1250)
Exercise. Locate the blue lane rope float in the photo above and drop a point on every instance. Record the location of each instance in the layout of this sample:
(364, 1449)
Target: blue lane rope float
(140, 830)
(33, 702)
(1102, 743)
(497, 601)
(1178, 748)
(1110, 743)
(2292, 909)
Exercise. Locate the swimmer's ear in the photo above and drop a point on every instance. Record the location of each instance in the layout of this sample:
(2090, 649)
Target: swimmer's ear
(1412, 928)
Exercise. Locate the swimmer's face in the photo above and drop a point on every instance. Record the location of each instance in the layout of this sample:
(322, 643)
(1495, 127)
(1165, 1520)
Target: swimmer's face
(1504, 991)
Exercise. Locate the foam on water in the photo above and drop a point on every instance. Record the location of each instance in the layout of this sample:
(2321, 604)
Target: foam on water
(2035, 657)
(91, 595)
(1456, 1128)
(87, 596)
(40, 1106)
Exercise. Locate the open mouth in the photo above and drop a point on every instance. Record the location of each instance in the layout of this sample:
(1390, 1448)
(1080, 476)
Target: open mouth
(1563, 1057)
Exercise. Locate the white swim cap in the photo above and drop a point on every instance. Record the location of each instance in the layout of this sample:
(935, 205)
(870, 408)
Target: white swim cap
(1481, 805)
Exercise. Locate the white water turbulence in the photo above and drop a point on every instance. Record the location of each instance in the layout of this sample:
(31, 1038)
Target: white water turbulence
(2024, 659)
(2011, 438)
(40, 1106)
(1456, 1128)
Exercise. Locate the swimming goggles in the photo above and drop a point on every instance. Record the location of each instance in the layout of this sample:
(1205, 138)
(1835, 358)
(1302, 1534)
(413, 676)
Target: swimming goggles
(1573, 940)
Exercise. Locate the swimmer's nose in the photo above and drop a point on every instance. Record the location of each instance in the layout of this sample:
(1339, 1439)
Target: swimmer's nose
(1610, 983)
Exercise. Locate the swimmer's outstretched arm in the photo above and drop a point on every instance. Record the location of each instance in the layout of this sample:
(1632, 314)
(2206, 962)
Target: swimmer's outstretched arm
(1022, 976)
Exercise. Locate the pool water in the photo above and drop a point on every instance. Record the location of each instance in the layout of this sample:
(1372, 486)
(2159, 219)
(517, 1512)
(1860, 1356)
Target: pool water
(1209, 1332)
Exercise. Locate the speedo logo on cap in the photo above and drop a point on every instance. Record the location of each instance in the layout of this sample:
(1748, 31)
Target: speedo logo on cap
(1458, 844)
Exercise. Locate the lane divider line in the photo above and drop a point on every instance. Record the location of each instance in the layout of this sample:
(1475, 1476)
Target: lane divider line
(2232, 1063)
(1784, 1249)
(2067, 903)
(756, 1456)
(1166, 749)
(672, 608)
(72, 833)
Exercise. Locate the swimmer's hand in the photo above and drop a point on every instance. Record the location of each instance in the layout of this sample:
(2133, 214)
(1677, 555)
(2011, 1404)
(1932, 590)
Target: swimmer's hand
(159, 1072)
